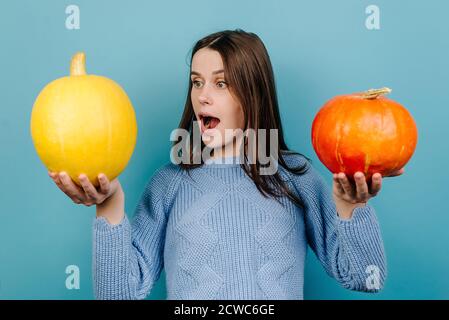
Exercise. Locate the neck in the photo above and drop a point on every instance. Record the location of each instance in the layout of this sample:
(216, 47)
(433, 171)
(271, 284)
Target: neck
(231, 149)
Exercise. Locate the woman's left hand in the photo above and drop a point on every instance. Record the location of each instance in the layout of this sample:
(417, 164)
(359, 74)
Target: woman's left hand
(348, 195)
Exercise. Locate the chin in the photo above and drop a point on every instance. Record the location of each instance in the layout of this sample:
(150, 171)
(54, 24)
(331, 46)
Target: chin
(212, 143)
(215, 142)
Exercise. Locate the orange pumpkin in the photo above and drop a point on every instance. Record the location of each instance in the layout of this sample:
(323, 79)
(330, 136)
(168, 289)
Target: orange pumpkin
(364, 132)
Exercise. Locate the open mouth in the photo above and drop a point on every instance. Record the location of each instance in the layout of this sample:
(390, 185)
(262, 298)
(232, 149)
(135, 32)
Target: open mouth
(209, 122)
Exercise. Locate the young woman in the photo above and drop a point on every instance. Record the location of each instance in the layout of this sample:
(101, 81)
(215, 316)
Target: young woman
(219, 227)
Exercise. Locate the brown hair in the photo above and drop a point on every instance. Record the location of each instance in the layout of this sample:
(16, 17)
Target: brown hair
(250, 78)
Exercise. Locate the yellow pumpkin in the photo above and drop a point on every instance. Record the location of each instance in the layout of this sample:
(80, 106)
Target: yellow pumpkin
(84, 124)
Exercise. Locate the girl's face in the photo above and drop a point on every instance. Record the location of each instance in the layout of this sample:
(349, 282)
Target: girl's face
(214, 106)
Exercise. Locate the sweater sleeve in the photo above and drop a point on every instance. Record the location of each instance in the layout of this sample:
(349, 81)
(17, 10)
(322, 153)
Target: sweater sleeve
(128, 257)
(351, 251)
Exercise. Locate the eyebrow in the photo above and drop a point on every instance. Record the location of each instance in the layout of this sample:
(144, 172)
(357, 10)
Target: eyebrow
(214, 72)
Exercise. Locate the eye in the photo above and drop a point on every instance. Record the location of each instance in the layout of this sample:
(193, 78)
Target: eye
(197, 84)
(222, 84)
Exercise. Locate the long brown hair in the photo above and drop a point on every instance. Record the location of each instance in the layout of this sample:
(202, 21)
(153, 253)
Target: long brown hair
(250, 78)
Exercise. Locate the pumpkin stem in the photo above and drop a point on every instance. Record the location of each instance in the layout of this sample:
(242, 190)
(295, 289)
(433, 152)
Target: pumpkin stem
(374, 93)
(78, 64)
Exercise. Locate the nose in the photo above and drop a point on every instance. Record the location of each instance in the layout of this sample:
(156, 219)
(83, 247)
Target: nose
(205, 97)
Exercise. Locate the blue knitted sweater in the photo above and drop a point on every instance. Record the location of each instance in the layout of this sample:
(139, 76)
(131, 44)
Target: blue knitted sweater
(217, 237)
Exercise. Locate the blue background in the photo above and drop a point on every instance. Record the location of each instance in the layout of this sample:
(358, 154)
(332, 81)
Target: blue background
(318, 49)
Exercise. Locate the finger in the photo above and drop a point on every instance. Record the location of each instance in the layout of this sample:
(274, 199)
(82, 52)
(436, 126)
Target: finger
(72, 190)
(63, 189)
(346, 185)
(55, 177)
(397, 173)
(52, 174)
(376, 184)
(88, 188)
(338, 188)
(361, 186)
(57, 181)
(105, 186)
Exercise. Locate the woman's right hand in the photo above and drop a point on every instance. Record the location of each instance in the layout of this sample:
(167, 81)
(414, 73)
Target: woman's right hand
(87, 194)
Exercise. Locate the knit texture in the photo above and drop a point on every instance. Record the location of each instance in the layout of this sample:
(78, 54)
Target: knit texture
(217, 237)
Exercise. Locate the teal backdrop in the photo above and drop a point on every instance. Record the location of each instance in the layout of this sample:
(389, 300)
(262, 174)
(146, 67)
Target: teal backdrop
(319, 49)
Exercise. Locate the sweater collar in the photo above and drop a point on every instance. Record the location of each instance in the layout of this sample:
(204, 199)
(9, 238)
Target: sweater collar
(229, 160)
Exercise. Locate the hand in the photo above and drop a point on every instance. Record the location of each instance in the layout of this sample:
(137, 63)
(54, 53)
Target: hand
(87, 194)
(351, 194)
